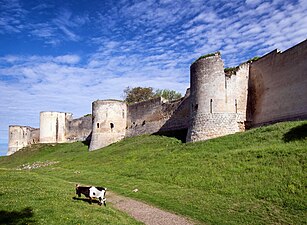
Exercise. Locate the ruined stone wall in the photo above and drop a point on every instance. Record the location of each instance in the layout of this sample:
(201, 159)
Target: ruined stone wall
(109, 122)
(53, 126)
(145, 117)
(79, 129)
(278, 86)
(157, 116)
(20, 137)
(236, 89)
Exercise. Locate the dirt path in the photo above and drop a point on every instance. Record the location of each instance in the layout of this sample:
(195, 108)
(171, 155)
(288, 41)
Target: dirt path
(145, 213)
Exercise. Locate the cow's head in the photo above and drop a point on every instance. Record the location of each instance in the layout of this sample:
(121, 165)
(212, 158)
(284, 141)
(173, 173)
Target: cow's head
(78, 192)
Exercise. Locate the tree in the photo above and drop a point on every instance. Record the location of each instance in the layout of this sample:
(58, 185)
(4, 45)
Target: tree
(138, 94)
(168, 94)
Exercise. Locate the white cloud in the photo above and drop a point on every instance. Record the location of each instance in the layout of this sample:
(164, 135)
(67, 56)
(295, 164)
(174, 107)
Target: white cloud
(68, 59)
(142, 43)
(253, 2)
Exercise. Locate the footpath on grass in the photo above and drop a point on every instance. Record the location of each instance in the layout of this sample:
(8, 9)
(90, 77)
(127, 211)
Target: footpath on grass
(145, 213)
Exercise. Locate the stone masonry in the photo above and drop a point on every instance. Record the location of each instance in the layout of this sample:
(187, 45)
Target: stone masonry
(269, 90)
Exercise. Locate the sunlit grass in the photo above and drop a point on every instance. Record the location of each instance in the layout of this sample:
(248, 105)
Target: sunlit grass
(255, 177)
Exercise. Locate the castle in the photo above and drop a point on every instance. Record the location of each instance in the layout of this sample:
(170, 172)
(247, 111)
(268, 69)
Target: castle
(218, 102)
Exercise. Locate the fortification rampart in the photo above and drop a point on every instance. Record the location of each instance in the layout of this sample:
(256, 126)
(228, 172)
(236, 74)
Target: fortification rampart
(178, 120)
(145, 117)
(278, 86)
(158, 116)
(109, 122)
(53, 126)
(79, 129)
(271, 89)
(20, 137)
(217, 102)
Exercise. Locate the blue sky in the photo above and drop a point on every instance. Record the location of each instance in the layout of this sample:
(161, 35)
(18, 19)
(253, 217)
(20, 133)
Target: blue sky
(62, 55)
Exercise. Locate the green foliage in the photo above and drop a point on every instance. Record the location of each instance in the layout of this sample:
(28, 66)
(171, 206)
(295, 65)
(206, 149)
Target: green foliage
(139, 94)
(231, 70)
(168, 94)
(208, 55)
(86, 115)
(255, 177)
(253, 59)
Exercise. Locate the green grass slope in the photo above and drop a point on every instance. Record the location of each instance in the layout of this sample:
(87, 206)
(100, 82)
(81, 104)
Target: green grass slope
(255, 177)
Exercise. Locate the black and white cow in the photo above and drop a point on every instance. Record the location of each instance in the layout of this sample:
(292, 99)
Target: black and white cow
(92, 192)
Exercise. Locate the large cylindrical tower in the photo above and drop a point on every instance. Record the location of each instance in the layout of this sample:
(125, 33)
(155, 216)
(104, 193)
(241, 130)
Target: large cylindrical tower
(208, 110)
(109, 122)
(53, 126)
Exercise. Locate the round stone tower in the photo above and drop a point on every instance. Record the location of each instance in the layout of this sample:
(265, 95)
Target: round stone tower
(109, 122)
(53, 126)
(208, 110)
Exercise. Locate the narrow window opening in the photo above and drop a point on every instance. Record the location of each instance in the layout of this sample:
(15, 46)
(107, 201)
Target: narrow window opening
(111, 125)
(236, 105)
(196, 107)
(225, 82)
(143, 123)
(97, 125)
(57, 129)
(123, 114)
(211, 105)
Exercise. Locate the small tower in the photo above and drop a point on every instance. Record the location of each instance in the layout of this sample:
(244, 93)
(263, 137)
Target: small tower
(53, 126)
(109, 122)
(20, 137)
(209, 114)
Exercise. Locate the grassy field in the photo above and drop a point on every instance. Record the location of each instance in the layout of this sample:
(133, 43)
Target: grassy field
(255, 177)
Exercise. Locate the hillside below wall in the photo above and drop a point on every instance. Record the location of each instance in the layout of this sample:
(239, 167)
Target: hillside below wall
(278, 86)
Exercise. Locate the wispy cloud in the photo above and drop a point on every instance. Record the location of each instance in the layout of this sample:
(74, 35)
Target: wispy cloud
(66, 22)
(11, 16)
(97, 52)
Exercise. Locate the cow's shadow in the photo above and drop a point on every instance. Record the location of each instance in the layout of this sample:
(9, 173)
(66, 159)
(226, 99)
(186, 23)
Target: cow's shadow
(86, 200)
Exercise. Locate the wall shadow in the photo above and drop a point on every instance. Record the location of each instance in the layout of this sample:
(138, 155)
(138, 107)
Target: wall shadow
(177, 125)
(23, 216)
(296, 133)
(178, 134)
(87, 141)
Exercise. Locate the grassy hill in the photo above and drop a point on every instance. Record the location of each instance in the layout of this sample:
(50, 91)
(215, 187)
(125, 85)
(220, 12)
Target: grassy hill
(255, 177)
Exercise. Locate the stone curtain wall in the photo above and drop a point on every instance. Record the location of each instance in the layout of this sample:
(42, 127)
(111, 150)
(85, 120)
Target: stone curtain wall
(177, 114)
(278, 86)
(157, 116)
(271, 89)
(145, 117)
(20, 137)
(79, 129)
